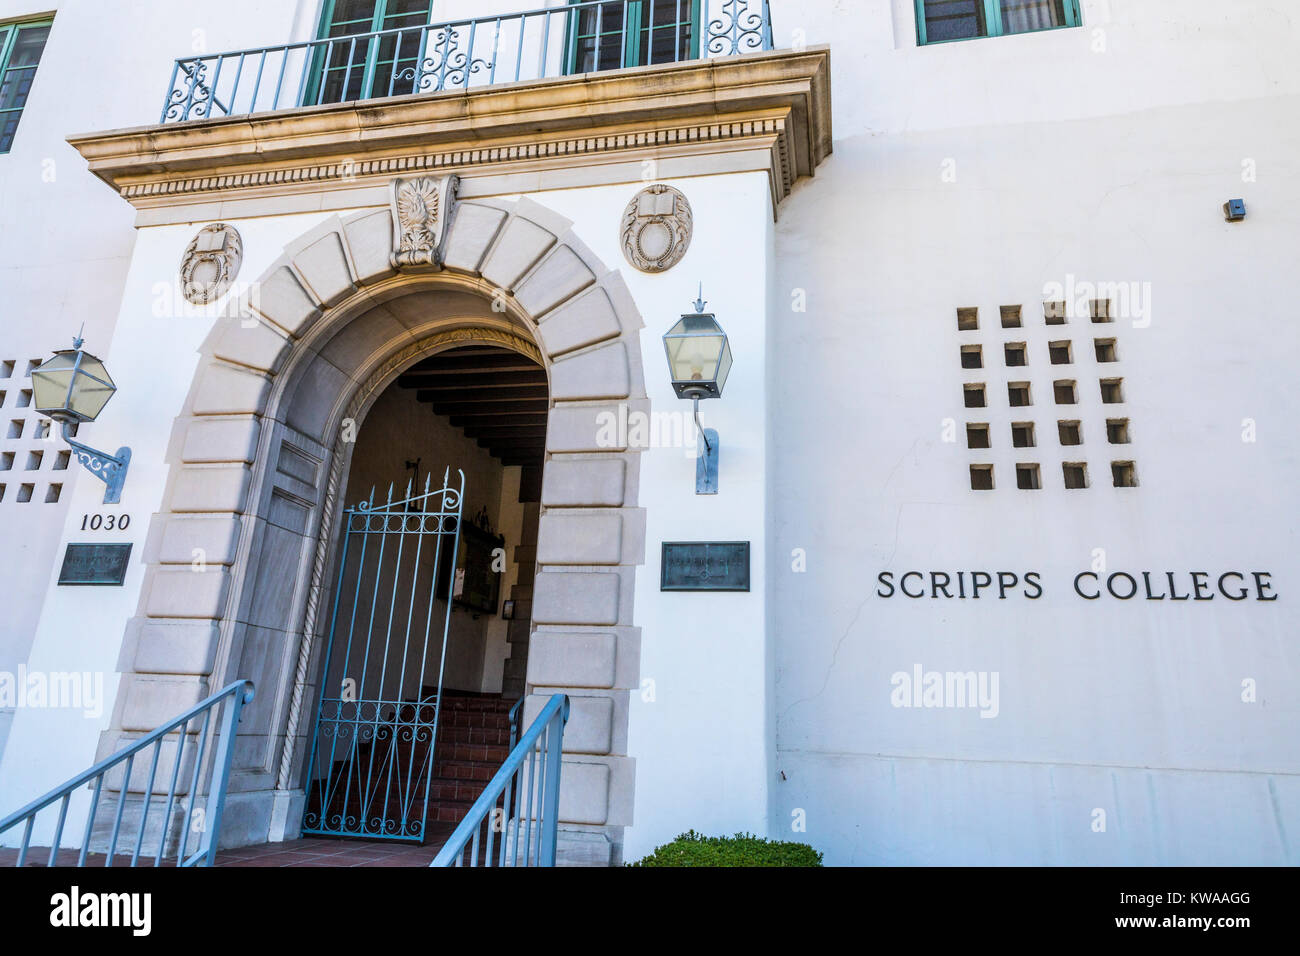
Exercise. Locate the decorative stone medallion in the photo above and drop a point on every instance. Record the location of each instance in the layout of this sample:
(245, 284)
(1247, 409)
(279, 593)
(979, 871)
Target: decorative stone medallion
(211, 263)
(657, 227)
(421, 210)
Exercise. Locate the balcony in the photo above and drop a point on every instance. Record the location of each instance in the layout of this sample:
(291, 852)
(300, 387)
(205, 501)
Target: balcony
(581, 38)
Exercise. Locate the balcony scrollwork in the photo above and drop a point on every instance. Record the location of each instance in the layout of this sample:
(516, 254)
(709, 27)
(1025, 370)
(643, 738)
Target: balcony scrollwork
(593, 35)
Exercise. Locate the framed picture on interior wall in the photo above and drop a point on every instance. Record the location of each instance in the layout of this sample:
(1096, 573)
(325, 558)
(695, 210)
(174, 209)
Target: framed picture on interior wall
(475, 585)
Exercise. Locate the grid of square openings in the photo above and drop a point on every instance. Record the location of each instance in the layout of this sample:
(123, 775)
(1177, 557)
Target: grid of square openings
(31, 463)
(1070, 386)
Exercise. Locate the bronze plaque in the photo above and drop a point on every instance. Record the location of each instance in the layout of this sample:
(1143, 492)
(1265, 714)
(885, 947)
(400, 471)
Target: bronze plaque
(704, 566)
(95, 564)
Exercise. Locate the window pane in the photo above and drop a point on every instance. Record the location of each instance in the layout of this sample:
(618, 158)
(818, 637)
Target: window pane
(608, 18)
(405, 13)
(14, 88)
(8, 124)
(954, 19)
(350, 17)
(28, 46)
(1025, 16)
(671, 35)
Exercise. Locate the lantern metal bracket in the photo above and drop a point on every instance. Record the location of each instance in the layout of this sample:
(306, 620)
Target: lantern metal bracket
(110, 469)
(706, 459)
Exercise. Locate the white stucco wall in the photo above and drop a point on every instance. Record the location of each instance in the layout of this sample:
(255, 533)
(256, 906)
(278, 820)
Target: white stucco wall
(1108, 166)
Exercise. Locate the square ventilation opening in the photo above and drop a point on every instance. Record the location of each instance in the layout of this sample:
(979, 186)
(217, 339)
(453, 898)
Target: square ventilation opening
(2, 492)
(3, 394)
(981, 477)
(1015, 354)
(1010, 316)
(52, 494)
(6, 461)
(1060, 353)
(1106, 351)
(1027, 477)
(33, 365)
(1070, 433)
(25, 492)
(1124, 474)
(1065, 393)
(34, 460)
(61, 460)
(43, 428)
(1022, 435)
(1117, 431)
(16, 428)
(1018, 394)
(24, 398)
(1100, 309)
(1054, 313)
(972, 356)
(974, 395)
(977, 436)
(1112, 391)
(968, 320)
(7, 368)
(1076, 474)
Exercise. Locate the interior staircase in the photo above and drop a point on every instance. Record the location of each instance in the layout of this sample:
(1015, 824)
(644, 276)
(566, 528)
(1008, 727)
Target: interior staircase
(473, 742)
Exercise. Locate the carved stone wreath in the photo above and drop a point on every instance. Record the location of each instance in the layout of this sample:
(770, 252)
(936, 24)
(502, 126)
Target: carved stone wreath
(211, 263)
(657, 228)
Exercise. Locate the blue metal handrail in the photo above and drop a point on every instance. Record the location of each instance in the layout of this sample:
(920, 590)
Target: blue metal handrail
(529, 45)
(234, 696)
(522, 807)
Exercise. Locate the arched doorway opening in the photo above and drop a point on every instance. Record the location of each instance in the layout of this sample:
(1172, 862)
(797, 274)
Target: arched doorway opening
(426, 647)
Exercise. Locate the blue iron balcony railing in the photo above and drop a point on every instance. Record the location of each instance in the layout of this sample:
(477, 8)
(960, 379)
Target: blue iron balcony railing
(531, 45)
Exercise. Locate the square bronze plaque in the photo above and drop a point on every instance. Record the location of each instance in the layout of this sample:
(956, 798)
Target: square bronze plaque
(95, 564)
(704, 566)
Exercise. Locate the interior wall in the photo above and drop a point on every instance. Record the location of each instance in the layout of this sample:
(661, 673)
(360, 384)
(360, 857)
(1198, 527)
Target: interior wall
(397, 429)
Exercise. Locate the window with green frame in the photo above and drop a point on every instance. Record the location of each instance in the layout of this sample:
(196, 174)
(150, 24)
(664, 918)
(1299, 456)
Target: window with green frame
(365, 69)
(938, 21)
(655, 31)
(21, 45)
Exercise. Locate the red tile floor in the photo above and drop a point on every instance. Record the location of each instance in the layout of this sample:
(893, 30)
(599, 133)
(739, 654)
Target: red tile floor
(310, 851)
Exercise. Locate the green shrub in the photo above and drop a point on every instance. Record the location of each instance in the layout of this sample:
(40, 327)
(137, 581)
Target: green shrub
(744, 849)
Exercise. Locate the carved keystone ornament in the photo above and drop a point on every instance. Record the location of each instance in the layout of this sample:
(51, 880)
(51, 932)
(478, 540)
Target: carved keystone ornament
(657, 227)
(421, 210)
(211, 263)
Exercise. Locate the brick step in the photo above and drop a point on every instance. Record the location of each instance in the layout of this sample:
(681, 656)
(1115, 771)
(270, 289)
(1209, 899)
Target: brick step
(456, 702)
(464, 770)
(495, 736)
(473, 719)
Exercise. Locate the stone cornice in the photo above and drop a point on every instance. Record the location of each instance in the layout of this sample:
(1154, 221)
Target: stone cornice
(778, 102)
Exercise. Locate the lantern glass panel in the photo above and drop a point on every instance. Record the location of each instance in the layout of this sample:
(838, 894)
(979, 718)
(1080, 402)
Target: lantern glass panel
(724, 365)
(51, 382)
(92, 388)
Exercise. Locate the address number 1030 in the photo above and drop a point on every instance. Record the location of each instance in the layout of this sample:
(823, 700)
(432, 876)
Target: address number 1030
(99, 522)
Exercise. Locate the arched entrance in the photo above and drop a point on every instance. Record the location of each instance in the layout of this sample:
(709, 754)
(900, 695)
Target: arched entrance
(257, 485)
(438, 540)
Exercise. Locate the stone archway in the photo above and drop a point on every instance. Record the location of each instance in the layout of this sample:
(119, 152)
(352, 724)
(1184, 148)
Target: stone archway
(258, 454)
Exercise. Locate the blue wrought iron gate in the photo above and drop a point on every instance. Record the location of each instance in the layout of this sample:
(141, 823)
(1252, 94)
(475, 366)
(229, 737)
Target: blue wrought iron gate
(372, 749)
